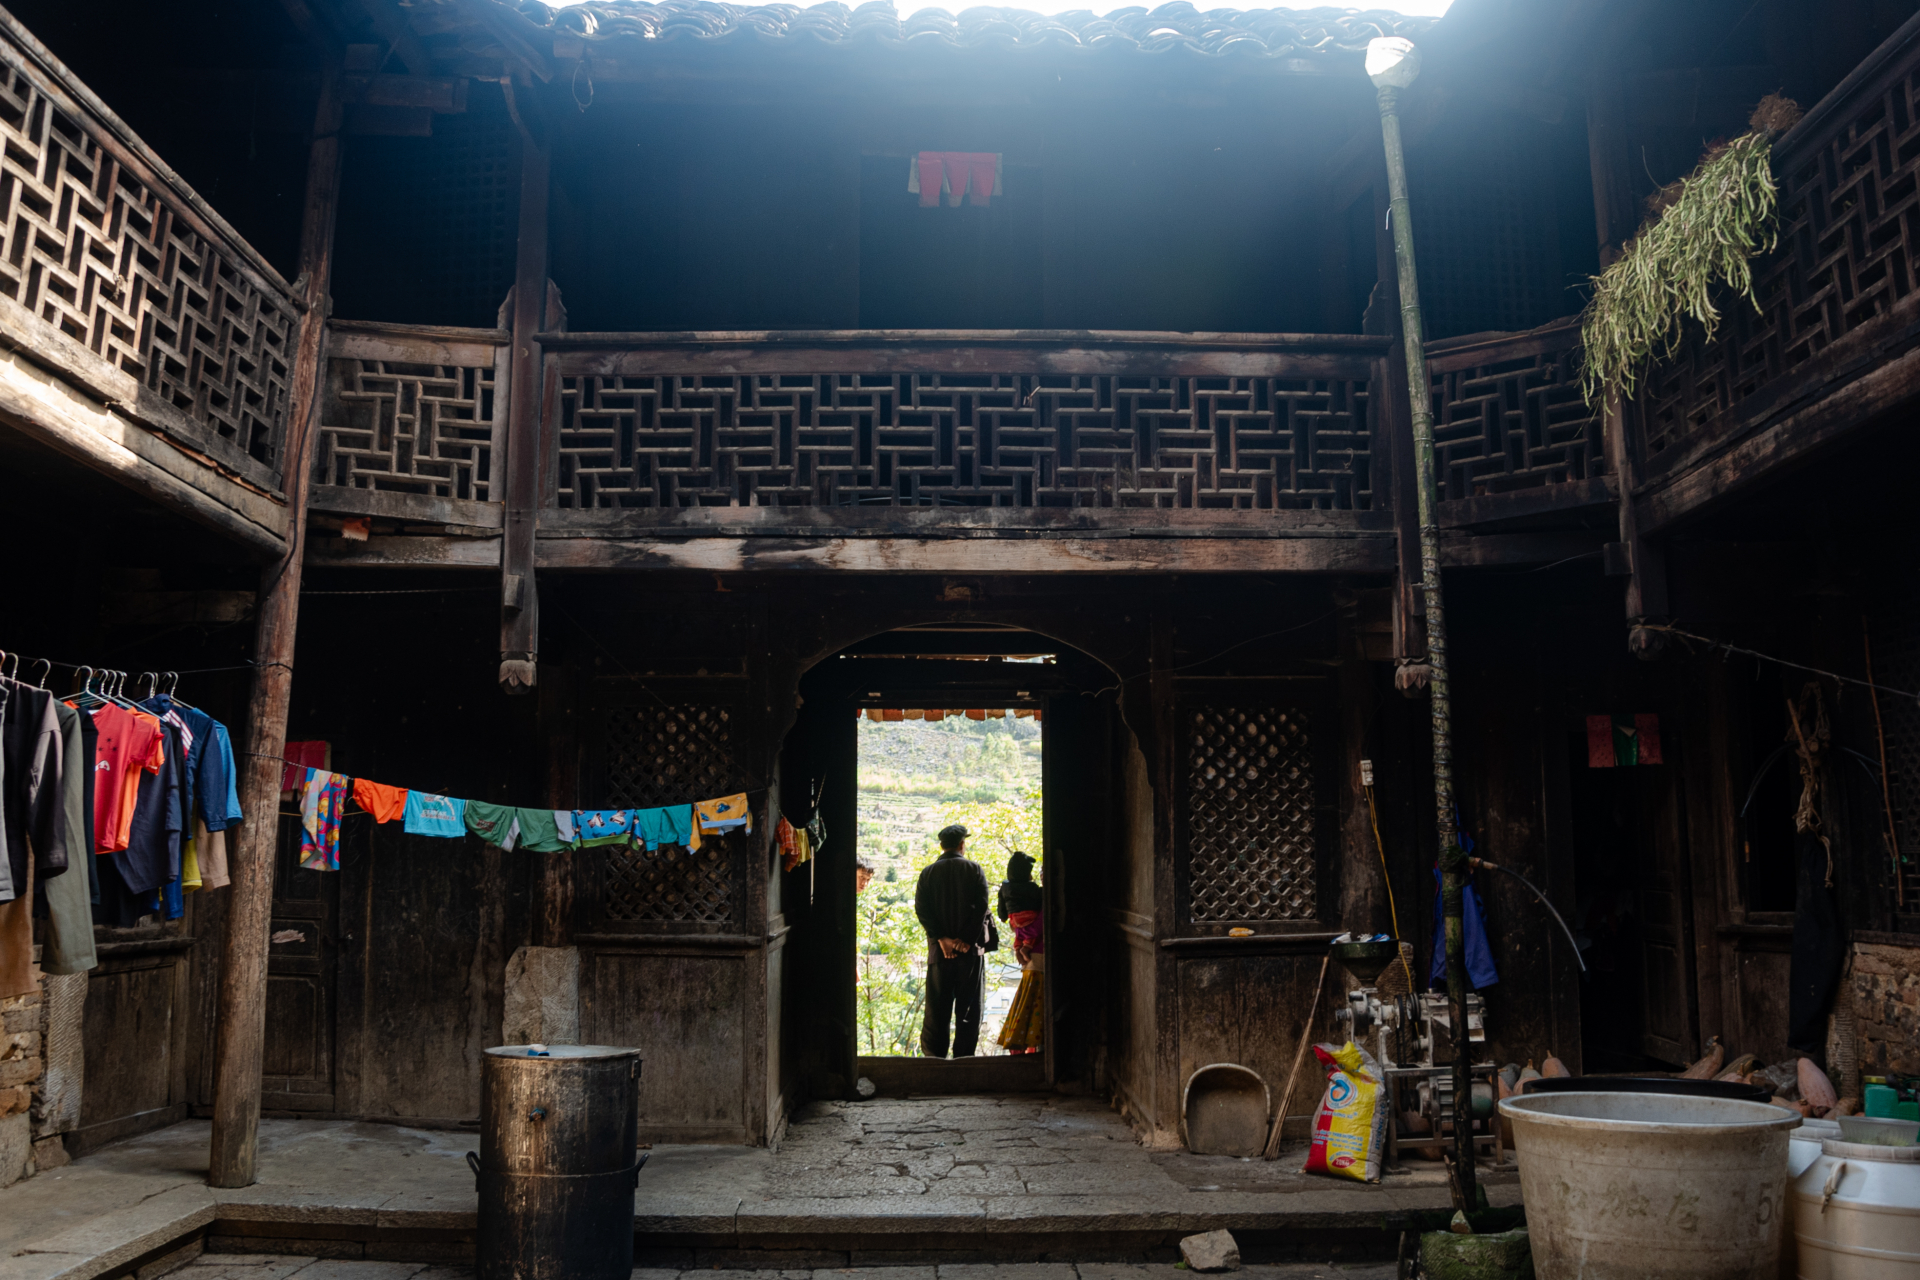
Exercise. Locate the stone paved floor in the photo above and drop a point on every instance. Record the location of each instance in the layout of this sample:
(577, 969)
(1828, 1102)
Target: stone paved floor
(873, 1182)
(278, 1267)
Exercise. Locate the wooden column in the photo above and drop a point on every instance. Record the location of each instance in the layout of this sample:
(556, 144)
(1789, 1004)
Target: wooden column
(1642, 563)
(243, 971)
(519, 597)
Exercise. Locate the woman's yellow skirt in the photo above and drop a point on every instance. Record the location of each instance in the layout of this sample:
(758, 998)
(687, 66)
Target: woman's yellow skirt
(1026, 1017)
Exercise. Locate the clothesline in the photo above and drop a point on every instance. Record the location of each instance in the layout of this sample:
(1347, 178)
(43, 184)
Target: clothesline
(325, 793)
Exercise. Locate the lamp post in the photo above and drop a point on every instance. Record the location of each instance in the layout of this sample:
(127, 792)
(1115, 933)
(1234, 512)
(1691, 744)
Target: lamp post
(1393, 64)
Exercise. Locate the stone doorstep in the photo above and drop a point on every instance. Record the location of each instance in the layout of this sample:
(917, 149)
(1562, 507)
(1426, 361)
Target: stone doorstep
(810, 1238)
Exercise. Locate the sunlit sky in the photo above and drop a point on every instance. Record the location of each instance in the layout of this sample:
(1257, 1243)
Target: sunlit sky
(1432, 8)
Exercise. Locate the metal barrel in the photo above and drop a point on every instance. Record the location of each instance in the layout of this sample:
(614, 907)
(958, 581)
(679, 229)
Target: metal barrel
(558, 1163)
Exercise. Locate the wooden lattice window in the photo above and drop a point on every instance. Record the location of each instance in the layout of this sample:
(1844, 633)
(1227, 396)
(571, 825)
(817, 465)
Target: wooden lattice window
(1251, 816)
(661, 754)
(407, 428)
(1003, 439)
(111, 256)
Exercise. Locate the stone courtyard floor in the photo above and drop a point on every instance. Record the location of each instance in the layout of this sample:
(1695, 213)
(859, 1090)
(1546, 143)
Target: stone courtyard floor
(1028, 1178)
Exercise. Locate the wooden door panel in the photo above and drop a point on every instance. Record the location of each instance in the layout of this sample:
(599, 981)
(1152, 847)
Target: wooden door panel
(297, 1066)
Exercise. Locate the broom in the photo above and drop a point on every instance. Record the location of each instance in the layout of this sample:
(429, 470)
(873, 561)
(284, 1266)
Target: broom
(1306, 1034)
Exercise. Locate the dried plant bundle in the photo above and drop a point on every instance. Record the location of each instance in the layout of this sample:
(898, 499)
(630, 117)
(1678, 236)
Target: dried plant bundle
(1703, 231)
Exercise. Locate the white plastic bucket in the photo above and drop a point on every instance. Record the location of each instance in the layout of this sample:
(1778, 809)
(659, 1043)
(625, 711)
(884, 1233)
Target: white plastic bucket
(1856, 1213)
(1644, 1186)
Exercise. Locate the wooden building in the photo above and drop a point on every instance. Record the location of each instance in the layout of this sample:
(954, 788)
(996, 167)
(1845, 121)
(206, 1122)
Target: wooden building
(622, 427)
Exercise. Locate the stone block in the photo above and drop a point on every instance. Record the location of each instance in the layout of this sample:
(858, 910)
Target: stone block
(14, 1099)
(50, 1153)
(542, 997)
(1211, 1251)
(16, 1148)
(57, 1104)
(19, 1071)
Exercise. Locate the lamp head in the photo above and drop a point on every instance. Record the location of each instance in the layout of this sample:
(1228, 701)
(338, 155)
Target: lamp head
(1392, 62)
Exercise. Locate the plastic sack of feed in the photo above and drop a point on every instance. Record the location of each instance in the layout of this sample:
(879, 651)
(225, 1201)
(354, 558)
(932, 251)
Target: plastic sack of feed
(1350, 1129)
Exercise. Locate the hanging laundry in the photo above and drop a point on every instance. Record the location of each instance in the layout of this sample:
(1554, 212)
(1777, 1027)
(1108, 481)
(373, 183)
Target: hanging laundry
(783, 836)
(128, 743)
(69, 943)
(211, 849)
(385, 803)
(729, 813)
(151, 855)
(301, 756)
(1622, 741)
(497, 824)
(671, 824)
(540, 830)
(954, 173)
(31, 817)
(323, 799)
(563, 827)
(431, 815)
(597, 827)
(224, 745)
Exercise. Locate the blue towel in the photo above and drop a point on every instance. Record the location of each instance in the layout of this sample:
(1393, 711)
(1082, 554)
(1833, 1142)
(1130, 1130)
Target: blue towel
(670, 825)
(1480, 970)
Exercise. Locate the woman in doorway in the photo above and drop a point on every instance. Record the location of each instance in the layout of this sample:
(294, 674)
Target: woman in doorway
(1019, 906)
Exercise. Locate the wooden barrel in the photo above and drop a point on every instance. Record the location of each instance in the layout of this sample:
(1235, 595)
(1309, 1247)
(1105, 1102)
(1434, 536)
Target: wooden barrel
(558, 1163)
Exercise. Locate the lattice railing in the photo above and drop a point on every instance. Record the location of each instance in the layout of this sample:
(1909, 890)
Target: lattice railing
(1849, 180)
(1508, 414)
(1023, 433)
(1250, 809)
(666, 754)
(100, 242)
(412, 411)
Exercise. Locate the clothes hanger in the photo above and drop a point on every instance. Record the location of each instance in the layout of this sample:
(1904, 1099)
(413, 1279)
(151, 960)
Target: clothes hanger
(86, 697)
(6, 658)
(46, 670)
(173, 682)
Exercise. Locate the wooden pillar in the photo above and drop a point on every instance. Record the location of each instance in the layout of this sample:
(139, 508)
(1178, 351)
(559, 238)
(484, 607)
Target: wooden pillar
(519, 596)
(1643, 564)
(243, 972)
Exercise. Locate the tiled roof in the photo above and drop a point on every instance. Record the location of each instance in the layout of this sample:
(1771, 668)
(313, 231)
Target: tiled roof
(1218, 33)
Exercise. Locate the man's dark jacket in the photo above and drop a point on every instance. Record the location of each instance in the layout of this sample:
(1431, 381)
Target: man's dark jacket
(951, 899)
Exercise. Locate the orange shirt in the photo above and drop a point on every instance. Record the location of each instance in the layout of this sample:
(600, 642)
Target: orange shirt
(385, 803)
(130, 741)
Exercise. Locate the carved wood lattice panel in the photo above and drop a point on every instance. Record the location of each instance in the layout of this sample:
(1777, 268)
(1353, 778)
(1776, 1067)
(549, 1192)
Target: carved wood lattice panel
(985, 440)
(1849, 215)
(661, 754)
(105, 257)
(1250, 814)
(409, 428)
(1515, 422)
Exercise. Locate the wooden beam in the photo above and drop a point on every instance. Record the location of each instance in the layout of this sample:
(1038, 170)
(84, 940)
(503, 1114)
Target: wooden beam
(243, 974)
(1520, 504)
(46, 408)
(1365, 553)
(519, 594)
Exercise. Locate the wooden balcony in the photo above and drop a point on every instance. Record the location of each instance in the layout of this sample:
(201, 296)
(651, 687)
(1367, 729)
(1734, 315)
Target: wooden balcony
(1835, 343)
(168, 338)
(853, 449)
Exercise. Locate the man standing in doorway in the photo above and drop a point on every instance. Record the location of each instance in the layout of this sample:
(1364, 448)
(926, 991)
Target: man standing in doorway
(951, 901)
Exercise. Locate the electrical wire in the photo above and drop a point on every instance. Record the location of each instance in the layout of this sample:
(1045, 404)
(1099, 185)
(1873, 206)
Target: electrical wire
(1393, 912)
(1482, 862)
(1711, 643)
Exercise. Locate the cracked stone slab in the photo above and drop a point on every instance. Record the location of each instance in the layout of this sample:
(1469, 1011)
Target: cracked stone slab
(1008, 1271)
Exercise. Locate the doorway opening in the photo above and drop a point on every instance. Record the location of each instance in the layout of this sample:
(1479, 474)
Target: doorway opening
(921, 770)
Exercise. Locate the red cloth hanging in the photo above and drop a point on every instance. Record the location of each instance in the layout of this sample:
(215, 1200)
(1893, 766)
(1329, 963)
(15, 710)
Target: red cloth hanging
(961, 172)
